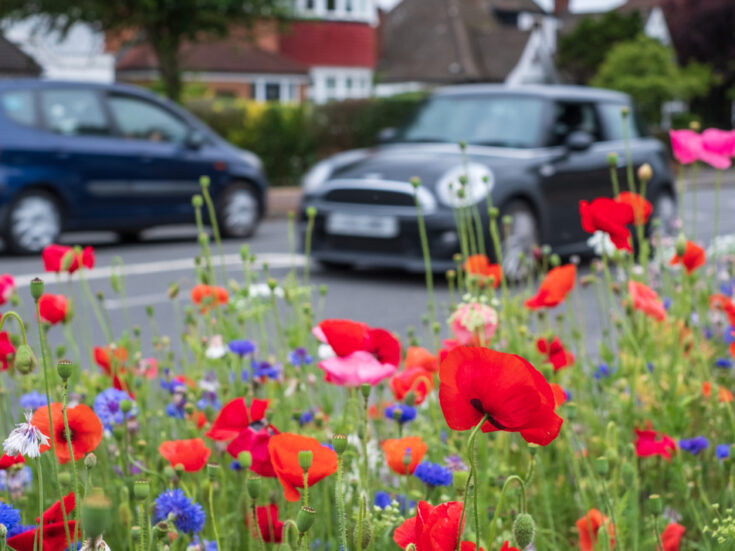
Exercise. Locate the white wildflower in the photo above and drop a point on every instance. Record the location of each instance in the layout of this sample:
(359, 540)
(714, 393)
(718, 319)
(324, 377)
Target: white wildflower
(216, 348)
(600, 241)
(25, 439)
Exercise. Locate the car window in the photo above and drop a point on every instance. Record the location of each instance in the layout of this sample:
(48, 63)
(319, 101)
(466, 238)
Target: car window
(143, 120)
(18, 107)
(494, 120)
(73, 112)
(571, 117)
(610, 113)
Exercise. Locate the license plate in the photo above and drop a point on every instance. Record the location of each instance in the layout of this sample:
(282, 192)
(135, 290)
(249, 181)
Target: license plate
(362, 225)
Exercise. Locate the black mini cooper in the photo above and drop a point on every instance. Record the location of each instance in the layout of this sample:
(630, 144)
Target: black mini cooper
(537, 150)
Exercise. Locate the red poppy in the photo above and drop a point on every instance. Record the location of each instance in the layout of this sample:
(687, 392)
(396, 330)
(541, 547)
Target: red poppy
(84, 426)
(505, 387)
(721, 302)
(589, 526)
(671, 537)
(640, 207)
(270, 528)
(508, 547)
(53, 258)
(560, 395)
(693, 257)
(7, 461)
(235, 417)
(7, 288)
(646, 300)
(609, 216)
(723, 394)
(433, 528)
(255, 441)
(53, 308)
(54, 531)
(649, 443)
(417, 356)
(6, 349)
(103, 357)
(415, 380)
(284, 449)
(193, 454)
(480, 265)
(555, 352)
(396, 451)
(209, 296)
(197, 418)
(554, 288)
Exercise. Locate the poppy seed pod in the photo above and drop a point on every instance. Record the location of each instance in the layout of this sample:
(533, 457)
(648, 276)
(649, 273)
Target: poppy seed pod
(524, 530)
(161, 530)
(305, 519)
(628, 473)
(65, 478)
(135, 534)
(25, 361)
(365, 389)
(3, 532)
(212, 471)
(96, 513)
(254, 487)
(126, 406)
(655, 504)
(204, 181)
(65, 369)
(141, 489)
(36, 288)
(339, 443)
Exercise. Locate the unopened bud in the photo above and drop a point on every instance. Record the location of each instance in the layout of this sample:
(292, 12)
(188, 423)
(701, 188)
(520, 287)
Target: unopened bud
(25, 361)
(524, 530)
(415, 181)
(204, 181)
(602, 466)
(90, 461)
(645, 172)
(460, 481)
(245, 458)
(254, 487)
(197, 201)
(681, 245)
(612, 160)
(213, 470)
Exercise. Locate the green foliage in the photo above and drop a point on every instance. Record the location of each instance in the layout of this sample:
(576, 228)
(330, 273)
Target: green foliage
(582, 51)
(290, 138)
(648, 71)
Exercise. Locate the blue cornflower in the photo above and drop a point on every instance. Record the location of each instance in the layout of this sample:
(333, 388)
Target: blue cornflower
(694, 445)
(9, 516)
(235, 465)
(401, 499)
(455, 463)
(382, 499)
(727, 288)
(408, 413)
(21, 478)
(242, 347)
(667, 301)
(433, 474)
(209, 400)
(32, 401)
(568, 395)
(300, 357)
(727, 335)
(188, 515)
(107, 407)
(306, 417)
(265, 369)
(173, 385)
(722, 451)
(650, 367)
(201, 545)
(176, 410)
(724, 363)
(603, 371)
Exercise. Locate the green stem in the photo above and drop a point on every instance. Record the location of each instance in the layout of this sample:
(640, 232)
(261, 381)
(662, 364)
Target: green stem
(341, 521)
(212, 515)
(427, 265)
(718, 176)
(496, 515)
(215, 231)
(67, 433)
(311, 216)
(471, 450)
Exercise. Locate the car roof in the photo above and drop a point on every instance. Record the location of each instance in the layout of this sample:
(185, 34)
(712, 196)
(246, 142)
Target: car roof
(552, 91)
(36, 83)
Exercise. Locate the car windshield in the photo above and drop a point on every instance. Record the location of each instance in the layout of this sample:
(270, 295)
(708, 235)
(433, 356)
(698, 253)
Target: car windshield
(492, 120)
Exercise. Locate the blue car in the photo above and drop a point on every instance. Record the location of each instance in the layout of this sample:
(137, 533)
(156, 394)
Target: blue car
(81, 156)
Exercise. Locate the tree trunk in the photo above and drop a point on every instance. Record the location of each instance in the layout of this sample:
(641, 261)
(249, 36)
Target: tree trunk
(166, 49)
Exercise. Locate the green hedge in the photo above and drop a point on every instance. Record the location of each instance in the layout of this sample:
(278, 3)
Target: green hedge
(290, 138)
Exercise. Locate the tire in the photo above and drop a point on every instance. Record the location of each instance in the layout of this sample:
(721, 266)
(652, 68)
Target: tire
(665, 209)
(238, 211)
(34, 221)
(130, 236)
(520, 241)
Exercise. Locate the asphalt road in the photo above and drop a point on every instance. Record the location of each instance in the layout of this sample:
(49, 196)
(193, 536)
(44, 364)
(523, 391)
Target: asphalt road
(390, 299)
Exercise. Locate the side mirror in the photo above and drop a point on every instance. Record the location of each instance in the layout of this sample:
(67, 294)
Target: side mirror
(579, 140)
(387, 135)
(195, 140)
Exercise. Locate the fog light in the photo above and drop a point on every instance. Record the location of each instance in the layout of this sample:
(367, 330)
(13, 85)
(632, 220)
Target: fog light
(449, 238)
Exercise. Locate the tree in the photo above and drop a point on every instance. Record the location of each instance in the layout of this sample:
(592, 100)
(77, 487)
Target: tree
(582, 51)
(165, 24)
(647, 70)
(704, 31)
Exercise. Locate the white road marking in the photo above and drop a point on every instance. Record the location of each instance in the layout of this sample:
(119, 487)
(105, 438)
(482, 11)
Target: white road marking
(274, 260)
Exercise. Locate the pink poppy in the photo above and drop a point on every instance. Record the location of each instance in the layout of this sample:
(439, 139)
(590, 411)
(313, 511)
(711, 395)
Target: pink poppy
(474, 323)
(719, 142)
(7, 288)
(688, 147)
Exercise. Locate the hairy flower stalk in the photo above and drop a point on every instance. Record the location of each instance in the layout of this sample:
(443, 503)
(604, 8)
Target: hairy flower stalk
(429, 274)
(473, 474)
(204, 182)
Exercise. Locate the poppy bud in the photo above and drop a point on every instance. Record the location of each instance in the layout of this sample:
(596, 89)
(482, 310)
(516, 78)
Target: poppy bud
(124, 513)
(602, 466)
(612, 160)
(272, 283)
(655, 504)
(212, 471)
(625, 111)
(460, 481)
(136, 330)
(366, 534)
(115, 282)
(410, 399)
(169, 472)
(323, 290)
(65, 369)
(415, 181)
(179, 468)
(628, 472)
(126, 406)
(3, 533)
(173, 290)
(555, 260)
(36, 288)
(90, 461)
(463, 180)
(547, 371)
(524, 530)
(197, 201)
(681, 245)
(65, 478)
(507, 220)
(305, 519)
(245, 459)
(397, 414)
(645, 172)
(95, 513)
(493, 212)
(204, 181)
(695, 125)
(25, 361)
(462, 145)
(365, 389)
(244, 252)
(67, 260)
(339, 443)
(254, 487)
(141, 489)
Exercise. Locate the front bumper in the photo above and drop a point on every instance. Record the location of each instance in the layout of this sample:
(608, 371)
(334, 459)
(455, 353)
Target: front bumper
(401, 251)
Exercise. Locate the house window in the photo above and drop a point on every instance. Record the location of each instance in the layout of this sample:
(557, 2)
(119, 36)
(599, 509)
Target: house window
(331, 5)
(348, 6)
(331, 83)
(272, 91)
(348, 86)
(310, 4)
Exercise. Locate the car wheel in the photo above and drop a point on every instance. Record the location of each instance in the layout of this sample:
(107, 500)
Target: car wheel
(520, 240)
(664, 208)
(130, 236)
(239, 211)
(33, 222)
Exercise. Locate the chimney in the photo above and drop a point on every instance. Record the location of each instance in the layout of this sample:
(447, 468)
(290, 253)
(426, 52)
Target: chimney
(561, 7)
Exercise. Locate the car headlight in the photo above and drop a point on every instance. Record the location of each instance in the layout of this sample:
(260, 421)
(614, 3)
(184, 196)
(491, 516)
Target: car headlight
(252, 159)
(479, 182)
(316, 176)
